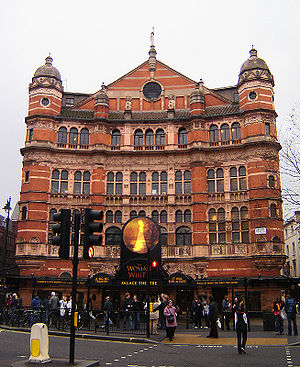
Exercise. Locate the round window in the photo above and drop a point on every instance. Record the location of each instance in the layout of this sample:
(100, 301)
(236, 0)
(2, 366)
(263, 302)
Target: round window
(152, 91)
(45, 102)
(252, 95)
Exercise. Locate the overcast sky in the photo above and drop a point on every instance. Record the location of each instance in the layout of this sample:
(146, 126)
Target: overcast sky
(99, 41)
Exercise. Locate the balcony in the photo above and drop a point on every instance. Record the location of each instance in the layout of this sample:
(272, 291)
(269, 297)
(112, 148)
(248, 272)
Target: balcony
(72, 146)
(225, 142)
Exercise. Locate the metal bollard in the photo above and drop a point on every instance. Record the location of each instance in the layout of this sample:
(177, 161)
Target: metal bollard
(187, 318)
(39, 344)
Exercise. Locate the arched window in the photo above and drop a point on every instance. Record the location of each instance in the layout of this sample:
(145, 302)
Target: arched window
(113, 236)
(271, 181)
(142, 183)
(149, 137)
(138, 138)
(183, 236)
(55, 181)
(118, 216)
(155, 216)
(212, 225)
(142, 213)
(155, 183)
(24, 213)
(178, 182)
(220, 180)
(160, 137)
(244, 224)
(110, 183)
(187, 216)
(163, 183)
(133, 183)
(211, 184)
(116, 137)
(213, 133)
(235, 131)
(84, 137)
(62, 135)
(133, 214)
(52, 211)
(221, 226)
(242, 178)
(77, 182)
(182, 136)
(73, 136)
(86, 182)
(163, 217)
(178, 216)
(163, 236)
(64, 181)
(233, 179)
(235, 225)
(273, 210)
(225, 133)
(109, 216)
(187, 182)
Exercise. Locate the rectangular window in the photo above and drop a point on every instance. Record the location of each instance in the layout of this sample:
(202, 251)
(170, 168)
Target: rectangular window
(212, 238)
(233, 184)
(221, 237)
(110, 188)
(133, 188)
(30, 136)
(187, 187)
(245, 237)
(69, 102)
(86, 188)
(212, 227)
(26, 176)
(155, 188)
(63, 187)
(243, 185)
(142, 188)
(268, 130)
(119, 188)
(54, 186)
(163, 188)
(77, 187)
(178, 188)
(235, 237)
(220, 186)
(211, 186)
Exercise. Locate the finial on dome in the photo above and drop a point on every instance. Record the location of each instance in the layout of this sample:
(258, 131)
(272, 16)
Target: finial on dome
(152, 37)
(49, 60)
(253, 52)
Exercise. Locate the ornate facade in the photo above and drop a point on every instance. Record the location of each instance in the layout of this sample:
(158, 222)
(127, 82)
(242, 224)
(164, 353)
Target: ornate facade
(201, 162)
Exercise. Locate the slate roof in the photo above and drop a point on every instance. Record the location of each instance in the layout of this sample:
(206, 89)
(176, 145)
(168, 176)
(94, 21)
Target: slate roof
(222, 110)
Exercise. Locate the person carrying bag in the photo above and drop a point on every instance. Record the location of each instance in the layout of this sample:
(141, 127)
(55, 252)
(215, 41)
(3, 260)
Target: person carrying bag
(170, 313)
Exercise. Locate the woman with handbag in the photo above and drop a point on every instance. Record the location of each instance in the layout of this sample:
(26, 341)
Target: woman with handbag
(278, 313)
(170, 313)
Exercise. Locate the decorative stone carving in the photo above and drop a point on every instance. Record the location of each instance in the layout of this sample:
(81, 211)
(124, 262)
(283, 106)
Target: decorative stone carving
(128, 103)
(171, 104)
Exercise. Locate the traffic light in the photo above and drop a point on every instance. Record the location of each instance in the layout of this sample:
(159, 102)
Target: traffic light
(90, 227)
(154, 264)
(62, 230)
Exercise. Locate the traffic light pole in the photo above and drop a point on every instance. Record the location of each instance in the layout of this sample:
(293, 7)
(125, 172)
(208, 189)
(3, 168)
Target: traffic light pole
(74, 285)
(148, 296)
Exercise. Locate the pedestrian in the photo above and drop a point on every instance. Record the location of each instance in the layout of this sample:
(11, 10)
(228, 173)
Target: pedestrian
(53, 309)
(278, 310)
(290, 309)
(241, 326)
(127, 309)
(213, 317)
(205, 313)
(226, 309)
(137, 308)
(163, 303)
(154, 316)
(235, 306)
(170, 313)
(197, 310)
(62, 311)
(108, 310)
(36, 304)
(46, 306)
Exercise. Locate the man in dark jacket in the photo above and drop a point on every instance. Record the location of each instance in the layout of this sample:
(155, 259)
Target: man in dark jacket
(108, 310)
(213, 317)
(127, 311)
(290, 309)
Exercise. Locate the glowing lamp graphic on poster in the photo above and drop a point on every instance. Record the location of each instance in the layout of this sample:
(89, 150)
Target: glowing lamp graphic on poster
(140, 234)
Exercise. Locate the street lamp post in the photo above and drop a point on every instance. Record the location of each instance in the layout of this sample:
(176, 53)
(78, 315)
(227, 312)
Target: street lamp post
(7, 208)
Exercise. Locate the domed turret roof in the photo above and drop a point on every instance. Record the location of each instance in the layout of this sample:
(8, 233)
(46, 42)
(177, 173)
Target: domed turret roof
(254, 68)
(47, 70)
(254, 62)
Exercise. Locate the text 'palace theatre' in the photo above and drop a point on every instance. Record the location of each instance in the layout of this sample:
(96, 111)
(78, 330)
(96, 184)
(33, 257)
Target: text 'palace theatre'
(197, 165)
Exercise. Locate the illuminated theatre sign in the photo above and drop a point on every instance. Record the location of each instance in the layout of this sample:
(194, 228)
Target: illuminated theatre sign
(140, 246)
